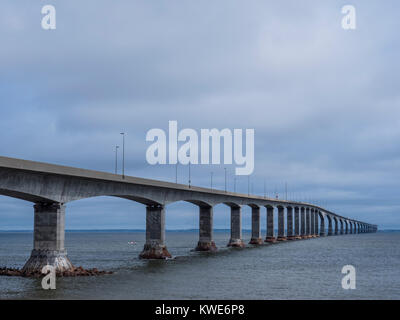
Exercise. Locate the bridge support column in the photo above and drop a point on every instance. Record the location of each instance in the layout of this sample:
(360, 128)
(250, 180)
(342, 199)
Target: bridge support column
(270, 225)
(341, 227)
(303, 223)
(296, 223)
(281, 224)
(330, 231)
(206, 242)
(255, 226)
(48, 239)
(308, 234)
(336, 226)
(236, 228)
(155, 247)
(312, 224)
(316, 233)
(290, 234)
(322, 228)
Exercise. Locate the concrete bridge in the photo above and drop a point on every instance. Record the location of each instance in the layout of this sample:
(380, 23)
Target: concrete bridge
(50, 187)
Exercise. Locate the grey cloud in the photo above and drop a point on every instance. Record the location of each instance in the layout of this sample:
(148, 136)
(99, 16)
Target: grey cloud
(324, 102)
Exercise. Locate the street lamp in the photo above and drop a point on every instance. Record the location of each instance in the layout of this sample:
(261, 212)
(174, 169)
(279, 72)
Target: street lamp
(286, 191)
(225, 179)
(211, 179)
(123, 155)
(265, 191)
(189, 175)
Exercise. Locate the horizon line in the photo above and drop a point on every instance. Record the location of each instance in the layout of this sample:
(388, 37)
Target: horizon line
(144, 230)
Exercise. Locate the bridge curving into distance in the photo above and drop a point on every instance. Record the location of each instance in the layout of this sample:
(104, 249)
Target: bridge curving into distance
(51, 186)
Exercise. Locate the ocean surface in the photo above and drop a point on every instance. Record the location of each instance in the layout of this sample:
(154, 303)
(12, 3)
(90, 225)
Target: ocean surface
(306, 269)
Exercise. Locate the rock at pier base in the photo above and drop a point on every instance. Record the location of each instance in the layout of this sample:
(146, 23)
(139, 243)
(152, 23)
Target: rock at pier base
(256, 241)
(236, 243)
(270, 239)
(75, 272)
(154, 252)
(291, 238)
(206, 246)
(41, 258)
(282, 238)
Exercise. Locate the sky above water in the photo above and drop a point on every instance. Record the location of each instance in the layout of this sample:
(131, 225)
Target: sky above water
(324, 102)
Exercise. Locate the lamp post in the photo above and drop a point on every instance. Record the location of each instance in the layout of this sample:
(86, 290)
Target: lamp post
(211, 180)
(225, 179)
(286, 191)
(123, 155)
(189, 175)
(265, 191)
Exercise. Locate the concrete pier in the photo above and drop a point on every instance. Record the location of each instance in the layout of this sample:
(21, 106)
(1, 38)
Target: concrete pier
(236, 228)
(308, 223)
(322, 228)
(290, 233)
(281, 224)
(316, 215)
(206, 242)
(303, 223)
(255, 226)
(48, 239)
(336, 226)
(330, 230)
(341, 227)
(296, 223)
(312, 216)
(155, 247)
(270, 225)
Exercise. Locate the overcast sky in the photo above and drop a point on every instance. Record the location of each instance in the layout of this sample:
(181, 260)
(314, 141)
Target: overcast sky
(324, 102)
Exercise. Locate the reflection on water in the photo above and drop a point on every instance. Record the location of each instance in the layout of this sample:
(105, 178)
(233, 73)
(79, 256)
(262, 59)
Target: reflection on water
(308, 269)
